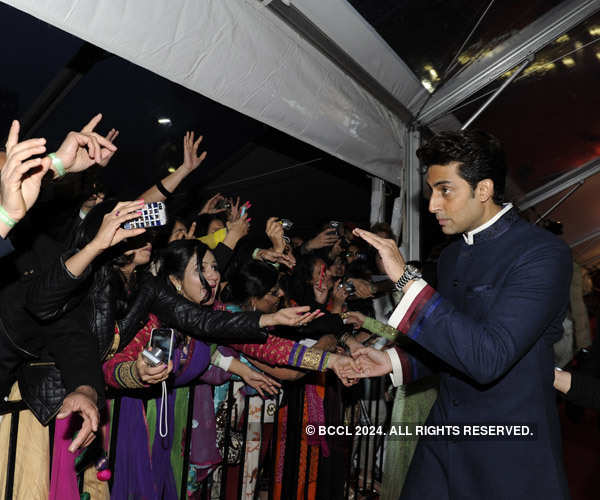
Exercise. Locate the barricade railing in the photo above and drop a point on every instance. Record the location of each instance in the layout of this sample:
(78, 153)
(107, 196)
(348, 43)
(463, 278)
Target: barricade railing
(364, 465)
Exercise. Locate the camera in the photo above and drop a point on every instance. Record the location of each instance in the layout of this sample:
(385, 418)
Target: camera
(348, 286)
(223, 204)
(154, 356)
(336, 226)
(286, 224)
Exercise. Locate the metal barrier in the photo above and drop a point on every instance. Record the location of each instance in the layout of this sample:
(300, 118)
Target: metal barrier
(364, 465)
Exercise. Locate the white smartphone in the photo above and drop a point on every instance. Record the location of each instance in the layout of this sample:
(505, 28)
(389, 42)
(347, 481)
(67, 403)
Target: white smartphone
(153, 215)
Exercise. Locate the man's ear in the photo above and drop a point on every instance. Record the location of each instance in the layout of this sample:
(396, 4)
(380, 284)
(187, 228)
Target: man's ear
(485, 190)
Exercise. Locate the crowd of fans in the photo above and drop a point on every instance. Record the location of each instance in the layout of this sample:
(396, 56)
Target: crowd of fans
(269, 325)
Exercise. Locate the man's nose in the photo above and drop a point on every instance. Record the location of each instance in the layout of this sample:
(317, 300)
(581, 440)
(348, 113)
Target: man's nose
(434, 203)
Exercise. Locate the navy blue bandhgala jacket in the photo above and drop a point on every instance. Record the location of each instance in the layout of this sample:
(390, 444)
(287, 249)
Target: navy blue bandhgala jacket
(499, 307)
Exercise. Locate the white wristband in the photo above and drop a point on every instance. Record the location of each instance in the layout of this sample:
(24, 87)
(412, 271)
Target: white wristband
(220, 361)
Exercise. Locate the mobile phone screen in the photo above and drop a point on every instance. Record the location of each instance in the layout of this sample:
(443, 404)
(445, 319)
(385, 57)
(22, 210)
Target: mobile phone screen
(163, 339)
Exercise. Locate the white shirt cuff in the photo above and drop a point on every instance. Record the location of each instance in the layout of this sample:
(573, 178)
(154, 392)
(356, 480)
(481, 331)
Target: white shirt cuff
(404, 305)
(396, 375)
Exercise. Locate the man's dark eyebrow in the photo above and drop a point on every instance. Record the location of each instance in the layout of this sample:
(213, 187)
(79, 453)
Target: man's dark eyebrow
(439, 183)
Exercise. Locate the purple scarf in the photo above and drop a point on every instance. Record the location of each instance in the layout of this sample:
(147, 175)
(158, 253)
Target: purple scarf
(134, 470)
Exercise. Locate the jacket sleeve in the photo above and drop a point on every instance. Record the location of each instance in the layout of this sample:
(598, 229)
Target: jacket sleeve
(194, 320)
(533, 295)
(48, 295)
(585, 391)
(280, 351)
(120, 371)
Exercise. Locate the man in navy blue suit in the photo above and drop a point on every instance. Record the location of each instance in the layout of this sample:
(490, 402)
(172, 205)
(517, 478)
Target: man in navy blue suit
(503, 288)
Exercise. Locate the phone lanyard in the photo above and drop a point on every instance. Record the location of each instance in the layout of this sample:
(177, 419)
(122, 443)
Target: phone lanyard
(163, 409)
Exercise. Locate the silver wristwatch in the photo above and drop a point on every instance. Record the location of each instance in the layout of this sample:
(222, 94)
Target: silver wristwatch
(410, 273)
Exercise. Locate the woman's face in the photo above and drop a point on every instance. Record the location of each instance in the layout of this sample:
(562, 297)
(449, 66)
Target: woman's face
(192, 288)
(338, 268)
(215, 225)
(352, 254)
(179, 232)
(269, 303)
(141, 255)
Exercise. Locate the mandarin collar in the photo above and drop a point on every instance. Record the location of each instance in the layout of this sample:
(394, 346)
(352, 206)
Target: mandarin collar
(493, 227)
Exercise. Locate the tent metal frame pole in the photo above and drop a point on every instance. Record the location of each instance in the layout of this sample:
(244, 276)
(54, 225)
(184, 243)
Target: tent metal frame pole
(585, 239)
(319, 39)
(559, 202)
(527, 41)
(559, 184)
(413, 181)
(377, 200)
(492, 98)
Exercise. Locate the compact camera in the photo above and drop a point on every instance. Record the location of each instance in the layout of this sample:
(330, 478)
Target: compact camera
(223, 204)
(348, 286)
(336, 226)
(286, 224)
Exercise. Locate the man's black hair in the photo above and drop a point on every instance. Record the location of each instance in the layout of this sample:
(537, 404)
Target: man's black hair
(480, 156)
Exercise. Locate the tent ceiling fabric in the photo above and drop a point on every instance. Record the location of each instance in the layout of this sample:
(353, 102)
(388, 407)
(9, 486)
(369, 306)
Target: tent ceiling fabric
(346, 27)
(240, 55)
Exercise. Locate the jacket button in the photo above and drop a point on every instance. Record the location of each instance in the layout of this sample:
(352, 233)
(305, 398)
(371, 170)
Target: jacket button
(455, 283)
(455, 402)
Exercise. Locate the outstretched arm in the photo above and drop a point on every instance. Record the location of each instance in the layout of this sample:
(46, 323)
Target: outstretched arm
(191, 161)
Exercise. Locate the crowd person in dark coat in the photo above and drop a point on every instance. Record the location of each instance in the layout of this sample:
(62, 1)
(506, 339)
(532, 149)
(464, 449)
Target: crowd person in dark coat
(502, 295)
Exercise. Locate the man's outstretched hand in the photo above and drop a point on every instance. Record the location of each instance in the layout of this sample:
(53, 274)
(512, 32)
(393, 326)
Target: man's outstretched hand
(392, 259)
(371, 363)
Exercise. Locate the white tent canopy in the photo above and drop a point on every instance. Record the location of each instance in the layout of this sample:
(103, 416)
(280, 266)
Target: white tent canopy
(238, 53)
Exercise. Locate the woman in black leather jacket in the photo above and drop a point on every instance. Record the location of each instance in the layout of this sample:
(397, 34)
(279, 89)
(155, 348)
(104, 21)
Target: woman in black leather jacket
(107, 314)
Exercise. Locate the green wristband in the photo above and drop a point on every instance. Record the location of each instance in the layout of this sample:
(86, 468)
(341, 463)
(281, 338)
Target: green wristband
(57, 164)
(7, 219)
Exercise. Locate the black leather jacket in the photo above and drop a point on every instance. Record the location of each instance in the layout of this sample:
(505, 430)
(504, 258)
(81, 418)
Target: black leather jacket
(96, 314)
(42, 319)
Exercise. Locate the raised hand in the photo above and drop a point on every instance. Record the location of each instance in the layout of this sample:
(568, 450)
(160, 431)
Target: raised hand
(190, 234)
(269, 255)
(234, 213)
(274, 231)
(363, 288)
(21, 177)
(339, 296)
(111, 232)
(239, 227)
(210, 207)
(152, 374)
(354, 318)
(81, 150)
(371, 362)
(392, 259)
(111, 136)
(325, 238)
(82, 401)
(191, 160)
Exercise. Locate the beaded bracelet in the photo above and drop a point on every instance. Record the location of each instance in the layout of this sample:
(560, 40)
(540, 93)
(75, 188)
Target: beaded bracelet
(7, 219)
(57, 164)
